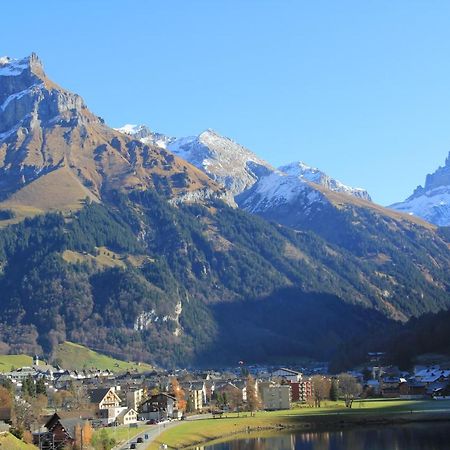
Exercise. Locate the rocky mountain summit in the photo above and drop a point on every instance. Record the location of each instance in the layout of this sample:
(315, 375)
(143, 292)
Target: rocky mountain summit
(54, 152)
(316, 176)
(223, 160)
(432, 201)
(256, 185)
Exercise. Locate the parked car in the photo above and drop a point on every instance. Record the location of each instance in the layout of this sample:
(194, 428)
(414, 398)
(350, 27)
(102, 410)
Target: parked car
(133, 445)
(151, 422)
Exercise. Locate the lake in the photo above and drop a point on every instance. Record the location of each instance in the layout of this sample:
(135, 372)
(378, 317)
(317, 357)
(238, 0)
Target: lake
(416, 436)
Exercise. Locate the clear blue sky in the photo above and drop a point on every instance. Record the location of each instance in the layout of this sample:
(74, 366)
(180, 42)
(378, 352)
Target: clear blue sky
(360, 89)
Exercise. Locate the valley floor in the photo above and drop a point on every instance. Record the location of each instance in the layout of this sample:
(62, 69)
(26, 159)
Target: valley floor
(330, 415)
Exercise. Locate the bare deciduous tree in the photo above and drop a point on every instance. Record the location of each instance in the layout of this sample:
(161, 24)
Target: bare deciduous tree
(349, 388)
(321, 389)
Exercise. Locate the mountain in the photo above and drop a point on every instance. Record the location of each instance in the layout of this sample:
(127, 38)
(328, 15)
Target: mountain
(316, 176)
(54, 152)
(239, 169)
(121, 245)
(223, 160)
(431, 202)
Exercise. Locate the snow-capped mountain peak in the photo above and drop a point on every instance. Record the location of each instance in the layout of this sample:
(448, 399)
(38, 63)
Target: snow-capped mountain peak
(279, 189)
(221, 158)
(255, 184)
(11, 67)
(314, 175)
(432, 201)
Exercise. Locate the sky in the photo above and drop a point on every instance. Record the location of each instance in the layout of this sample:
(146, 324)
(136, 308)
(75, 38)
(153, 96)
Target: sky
(359, 89)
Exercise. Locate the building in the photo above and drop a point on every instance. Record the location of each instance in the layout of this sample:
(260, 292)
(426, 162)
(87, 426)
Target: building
(287, 374)
(195, 392)
(276, 397)
(301, 391)
(126, 417)
(134, 398)
(58, 435)
(159, 407)
(232, 395)
(106, 403)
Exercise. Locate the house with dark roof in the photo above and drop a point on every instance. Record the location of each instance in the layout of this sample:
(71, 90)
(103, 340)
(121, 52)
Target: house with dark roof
(58, 433)
(106, 403)
(159, 407)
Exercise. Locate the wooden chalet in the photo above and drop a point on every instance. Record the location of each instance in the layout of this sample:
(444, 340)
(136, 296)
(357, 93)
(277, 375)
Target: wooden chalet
(60, 434)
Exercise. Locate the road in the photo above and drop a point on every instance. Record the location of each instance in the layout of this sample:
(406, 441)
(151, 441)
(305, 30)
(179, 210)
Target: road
(154, 431)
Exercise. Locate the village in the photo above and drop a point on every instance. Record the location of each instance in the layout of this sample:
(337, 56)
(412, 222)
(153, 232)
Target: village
(53, 407)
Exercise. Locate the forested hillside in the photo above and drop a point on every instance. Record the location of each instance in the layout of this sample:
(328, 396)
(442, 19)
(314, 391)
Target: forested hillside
(122, 246)
(193, 283)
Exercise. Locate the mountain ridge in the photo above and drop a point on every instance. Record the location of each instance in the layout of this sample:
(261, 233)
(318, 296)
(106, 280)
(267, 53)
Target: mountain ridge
(233, 165)
(44, 128)
(431, 201)
(159, 264)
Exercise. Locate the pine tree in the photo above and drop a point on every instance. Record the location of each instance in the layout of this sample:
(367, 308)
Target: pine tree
(40, 387)
(334, 391)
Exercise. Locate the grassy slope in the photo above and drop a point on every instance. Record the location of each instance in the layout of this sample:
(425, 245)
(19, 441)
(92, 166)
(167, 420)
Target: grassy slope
(119, 434)
(105, 258)
(339, 199)
(75, 356)
(59, 190)
(7, 362)
(10, 442)
(190, 433)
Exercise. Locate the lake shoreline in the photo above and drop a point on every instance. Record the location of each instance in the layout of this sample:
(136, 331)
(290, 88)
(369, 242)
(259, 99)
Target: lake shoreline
(210, 431)
(319, 426)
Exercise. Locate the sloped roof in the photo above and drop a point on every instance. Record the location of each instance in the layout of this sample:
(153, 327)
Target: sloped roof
(97, 395)
(125, 412)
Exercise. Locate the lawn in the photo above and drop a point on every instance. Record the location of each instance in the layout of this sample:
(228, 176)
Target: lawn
(194, 432)
(75, 356)
(119, 434)
(10, 442)
(8, 362)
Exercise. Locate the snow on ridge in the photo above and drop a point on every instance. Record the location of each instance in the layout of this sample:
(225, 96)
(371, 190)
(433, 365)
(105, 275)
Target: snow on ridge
(20, 94)
(314, 175)
(277, 189)
(433, 206)
(12, 67)
(129, 129)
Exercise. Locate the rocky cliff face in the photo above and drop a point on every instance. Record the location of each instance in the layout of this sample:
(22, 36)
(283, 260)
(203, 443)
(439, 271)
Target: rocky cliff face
(255, 184)
(312, 175)
(432, 201)
(223, 160)
(45, 129)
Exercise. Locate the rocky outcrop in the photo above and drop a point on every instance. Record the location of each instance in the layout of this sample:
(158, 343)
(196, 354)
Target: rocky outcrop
(44, 127)
(431, 201)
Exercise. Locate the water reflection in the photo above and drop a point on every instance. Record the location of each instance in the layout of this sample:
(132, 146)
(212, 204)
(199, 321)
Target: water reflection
(431, 436)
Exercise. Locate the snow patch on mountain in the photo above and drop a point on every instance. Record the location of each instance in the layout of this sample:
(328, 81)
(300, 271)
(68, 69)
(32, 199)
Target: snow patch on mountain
(433, 206)
(431, 202)
(12, 67)
(145, 135)
(314, 175)
(255, 184)
(224, 160)
(278, 189)
(18, 95)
